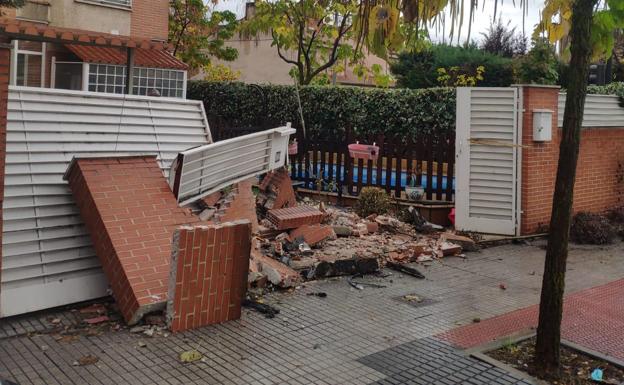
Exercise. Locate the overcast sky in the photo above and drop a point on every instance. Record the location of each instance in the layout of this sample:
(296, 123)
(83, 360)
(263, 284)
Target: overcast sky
(506, 11)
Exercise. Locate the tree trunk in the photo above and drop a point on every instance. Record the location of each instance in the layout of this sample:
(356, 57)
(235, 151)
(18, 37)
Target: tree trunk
(551, 303)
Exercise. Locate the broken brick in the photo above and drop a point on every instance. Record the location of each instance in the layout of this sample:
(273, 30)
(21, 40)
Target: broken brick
(372, 227)
(278, 190)
(448, 248)
(466, 243)
(293, 217)
(211, 200)
(313, 234)
(360, 229)
(276, 272)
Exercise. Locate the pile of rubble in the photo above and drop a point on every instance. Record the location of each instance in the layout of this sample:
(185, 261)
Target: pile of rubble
(303, 240)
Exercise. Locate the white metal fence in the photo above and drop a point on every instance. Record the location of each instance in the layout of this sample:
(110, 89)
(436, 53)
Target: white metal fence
(200, 171)
(47, 258)
(600, 111)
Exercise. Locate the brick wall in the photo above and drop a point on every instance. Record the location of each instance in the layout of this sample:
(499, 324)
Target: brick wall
(208, 277)
(131, 215)
(241, 204)
(5, 58)
(596, 188)
(150, 19)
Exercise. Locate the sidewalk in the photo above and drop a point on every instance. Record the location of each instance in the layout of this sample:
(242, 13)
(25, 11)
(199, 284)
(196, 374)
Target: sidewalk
(349, 337)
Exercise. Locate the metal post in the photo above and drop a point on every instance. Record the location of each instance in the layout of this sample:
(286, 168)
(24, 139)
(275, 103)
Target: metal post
(129, 70)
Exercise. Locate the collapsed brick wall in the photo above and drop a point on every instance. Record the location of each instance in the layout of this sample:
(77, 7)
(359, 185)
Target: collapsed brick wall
(598, 187)
(208, 278)
(240, 204)
(131, 215)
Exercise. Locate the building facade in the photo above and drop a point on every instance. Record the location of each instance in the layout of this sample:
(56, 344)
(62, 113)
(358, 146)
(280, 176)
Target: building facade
(97, 69)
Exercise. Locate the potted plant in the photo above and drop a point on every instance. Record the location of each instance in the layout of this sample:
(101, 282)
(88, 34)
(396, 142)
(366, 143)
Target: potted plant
(363, 151)
(414, 192)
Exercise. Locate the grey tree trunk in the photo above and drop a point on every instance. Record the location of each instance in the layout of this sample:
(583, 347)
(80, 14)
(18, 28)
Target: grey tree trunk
(551, 304)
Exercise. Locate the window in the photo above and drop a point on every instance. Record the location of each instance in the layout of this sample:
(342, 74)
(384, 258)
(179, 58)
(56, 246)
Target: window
(27, 64)
(68, 75)
(112, 79)
(107, 78)
(114, 3)
(169, 83)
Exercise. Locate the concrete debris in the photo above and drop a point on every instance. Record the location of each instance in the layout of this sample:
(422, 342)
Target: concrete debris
(207, 214)
(466, 243)
(313, 234)
(305, 241)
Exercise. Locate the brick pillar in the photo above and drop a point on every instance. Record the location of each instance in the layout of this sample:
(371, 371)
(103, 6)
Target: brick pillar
(539, 159)
(5, 64)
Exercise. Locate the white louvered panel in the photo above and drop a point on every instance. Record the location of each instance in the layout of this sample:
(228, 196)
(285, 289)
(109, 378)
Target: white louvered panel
(486, 160)
(600, 111)
(203, 170)
(48, 259)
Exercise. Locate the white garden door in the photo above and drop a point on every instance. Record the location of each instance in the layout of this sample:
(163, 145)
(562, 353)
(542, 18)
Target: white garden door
(487, 154)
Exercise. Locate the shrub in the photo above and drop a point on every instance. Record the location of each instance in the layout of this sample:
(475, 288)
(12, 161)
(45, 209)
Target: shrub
(372, 200)
(592, 229)
(419, 69)
(329, 110)
(540, 65)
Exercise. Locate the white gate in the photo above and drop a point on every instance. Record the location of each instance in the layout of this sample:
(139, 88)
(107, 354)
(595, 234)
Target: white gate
(47, 256)
(487, 154)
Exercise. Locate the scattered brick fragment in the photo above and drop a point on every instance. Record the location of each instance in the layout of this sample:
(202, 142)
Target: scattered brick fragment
(313, 234)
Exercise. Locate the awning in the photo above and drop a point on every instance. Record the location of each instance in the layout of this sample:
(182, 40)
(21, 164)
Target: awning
(112, 55)
(19, 29)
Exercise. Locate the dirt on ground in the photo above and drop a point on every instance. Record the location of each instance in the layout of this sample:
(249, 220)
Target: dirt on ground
(576, 367)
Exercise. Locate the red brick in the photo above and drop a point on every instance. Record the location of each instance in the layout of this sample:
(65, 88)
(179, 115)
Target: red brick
(278, 184)
(293, 217)
(313, 234)
(241, 205)
(135, 257)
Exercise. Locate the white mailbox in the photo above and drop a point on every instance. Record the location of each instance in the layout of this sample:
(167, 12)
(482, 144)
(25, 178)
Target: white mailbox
(542, 125)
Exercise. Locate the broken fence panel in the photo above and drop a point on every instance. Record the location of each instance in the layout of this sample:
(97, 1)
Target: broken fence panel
(203, 170)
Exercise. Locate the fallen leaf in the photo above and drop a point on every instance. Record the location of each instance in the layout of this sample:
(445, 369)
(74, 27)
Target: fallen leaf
(96, 320)
(190, 356)
(86, 360)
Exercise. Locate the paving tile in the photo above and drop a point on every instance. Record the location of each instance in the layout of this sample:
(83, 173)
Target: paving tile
(332, 340)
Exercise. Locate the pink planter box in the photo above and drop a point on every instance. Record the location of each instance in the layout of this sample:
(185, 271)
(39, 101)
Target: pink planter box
(363, 151)
(292, 148)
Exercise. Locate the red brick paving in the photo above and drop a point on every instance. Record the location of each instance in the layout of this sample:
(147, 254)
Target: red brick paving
(593, 318)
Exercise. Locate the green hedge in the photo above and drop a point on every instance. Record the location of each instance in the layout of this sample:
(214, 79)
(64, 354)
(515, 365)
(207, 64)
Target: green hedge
(329, 110)
(615, 88)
